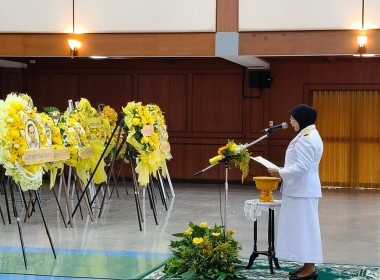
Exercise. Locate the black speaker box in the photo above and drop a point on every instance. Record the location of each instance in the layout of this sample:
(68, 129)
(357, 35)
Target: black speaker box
(260, 79)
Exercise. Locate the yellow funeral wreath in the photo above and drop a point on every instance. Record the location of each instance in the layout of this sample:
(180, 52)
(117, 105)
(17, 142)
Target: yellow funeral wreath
(143, 147)
(112, 117)
(99, 131)
(54, 140)
(110, 114)
(21, 130)
(101, 128)
(160, 129)
(74, 138)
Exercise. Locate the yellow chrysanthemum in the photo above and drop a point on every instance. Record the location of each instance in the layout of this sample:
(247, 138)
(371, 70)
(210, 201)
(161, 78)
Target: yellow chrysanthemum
(135, 121)
(215, 233)
(110, 114)
(231, 231)
(204, 225)
(233, 147)
(197, 240)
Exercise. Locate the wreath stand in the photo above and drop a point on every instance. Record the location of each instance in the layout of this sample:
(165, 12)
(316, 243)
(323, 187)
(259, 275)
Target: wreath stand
(116, 178)
(31, 203)
(66, 194)
(12, 184)
(4, 190)
(119, 126)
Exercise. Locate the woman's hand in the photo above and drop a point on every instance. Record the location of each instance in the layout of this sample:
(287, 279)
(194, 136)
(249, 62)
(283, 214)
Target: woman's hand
(274, 172)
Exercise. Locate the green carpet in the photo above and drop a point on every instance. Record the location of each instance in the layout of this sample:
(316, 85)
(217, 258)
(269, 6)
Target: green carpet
(260, 271)
(92, 265)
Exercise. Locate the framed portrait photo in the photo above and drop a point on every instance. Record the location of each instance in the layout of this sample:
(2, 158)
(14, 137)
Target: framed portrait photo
(32, 135)
(48, 134)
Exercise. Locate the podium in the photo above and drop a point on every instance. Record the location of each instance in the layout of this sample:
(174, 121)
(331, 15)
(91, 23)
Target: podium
(253, 209)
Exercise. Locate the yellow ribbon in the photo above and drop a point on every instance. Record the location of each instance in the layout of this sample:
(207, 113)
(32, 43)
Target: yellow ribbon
(215, 159)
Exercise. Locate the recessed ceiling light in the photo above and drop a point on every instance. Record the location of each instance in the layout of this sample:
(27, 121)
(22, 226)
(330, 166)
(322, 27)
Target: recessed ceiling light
(365, 55)
(98, 57)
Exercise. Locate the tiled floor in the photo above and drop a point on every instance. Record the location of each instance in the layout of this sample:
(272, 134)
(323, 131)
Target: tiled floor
(350, 223)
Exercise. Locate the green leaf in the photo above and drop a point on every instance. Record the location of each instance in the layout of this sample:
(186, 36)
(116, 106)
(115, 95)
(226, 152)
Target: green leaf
(222, 276)
(188, 275)
(50, 109)
(180, 234)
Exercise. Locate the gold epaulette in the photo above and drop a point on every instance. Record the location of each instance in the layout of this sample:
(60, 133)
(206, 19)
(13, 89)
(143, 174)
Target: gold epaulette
(306, 132)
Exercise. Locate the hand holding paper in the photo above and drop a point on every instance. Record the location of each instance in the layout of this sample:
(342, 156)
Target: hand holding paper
(272, 168)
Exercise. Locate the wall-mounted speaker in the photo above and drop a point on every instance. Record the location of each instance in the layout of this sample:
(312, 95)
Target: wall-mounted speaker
(259, 79)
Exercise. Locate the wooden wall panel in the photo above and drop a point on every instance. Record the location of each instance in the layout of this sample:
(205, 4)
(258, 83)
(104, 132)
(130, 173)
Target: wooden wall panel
(227, 15)
(217, 103)
(257, 115)
(202, 98)
(54, 89)
(109, 44)
(170, 93)
(114, 90)
(304, 43)
(191, 158)
(10, 81)
(294, 79)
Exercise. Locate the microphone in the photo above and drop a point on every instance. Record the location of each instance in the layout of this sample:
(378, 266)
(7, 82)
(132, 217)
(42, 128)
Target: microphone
(270, 129)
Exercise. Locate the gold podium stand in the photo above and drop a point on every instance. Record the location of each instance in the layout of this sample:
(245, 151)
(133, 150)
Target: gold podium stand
(266, 185)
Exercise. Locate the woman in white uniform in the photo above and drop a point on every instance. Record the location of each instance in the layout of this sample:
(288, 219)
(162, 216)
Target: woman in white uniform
(299, 237)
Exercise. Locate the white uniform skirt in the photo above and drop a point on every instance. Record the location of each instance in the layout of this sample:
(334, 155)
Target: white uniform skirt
(299, 235)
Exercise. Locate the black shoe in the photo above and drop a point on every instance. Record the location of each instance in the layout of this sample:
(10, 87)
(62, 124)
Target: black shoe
(313, 276)
(294, 272)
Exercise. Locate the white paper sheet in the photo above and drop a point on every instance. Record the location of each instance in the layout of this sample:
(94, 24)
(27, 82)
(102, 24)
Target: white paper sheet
(265, 162)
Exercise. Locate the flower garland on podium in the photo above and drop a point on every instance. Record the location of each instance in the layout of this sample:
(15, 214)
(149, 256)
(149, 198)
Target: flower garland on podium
(17, 114)
(237, 153)
(145, 126)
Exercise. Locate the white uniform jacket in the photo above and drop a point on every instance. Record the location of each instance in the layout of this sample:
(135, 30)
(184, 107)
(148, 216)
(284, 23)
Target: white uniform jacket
(300, 176)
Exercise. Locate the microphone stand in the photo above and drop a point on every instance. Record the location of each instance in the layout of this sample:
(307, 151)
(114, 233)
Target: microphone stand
(258, 140)
(226, 163)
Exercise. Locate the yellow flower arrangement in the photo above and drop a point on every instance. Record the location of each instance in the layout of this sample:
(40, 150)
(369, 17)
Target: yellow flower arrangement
(74, 138)
(16, 111)
(145, 148)
(99, 131)
(110, 114)
(237, 153)
(54, 140)
(203, 253)
(160, 129)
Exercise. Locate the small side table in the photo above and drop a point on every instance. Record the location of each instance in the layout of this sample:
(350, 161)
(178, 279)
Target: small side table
(253, 209)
